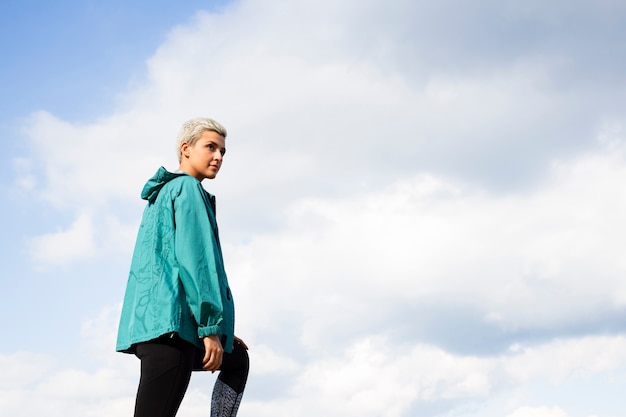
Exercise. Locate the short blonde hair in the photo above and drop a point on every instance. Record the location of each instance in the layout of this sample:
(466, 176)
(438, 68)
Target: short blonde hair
(192, 130)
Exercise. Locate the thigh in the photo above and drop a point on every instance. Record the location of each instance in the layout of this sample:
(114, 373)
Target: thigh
(166, 365)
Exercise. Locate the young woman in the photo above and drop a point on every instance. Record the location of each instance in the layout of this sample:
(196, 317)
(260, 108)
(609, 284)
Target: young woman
(178, 311)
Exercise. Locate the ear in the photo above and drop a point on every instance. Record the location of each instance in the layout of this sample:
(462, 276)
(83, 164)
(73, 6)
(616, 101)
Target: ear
(184, 149)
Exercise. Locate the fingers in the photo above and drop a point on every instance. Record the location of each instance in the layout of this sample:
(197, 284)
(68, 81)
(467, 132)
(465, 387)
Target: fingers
(213, 353)
(212, 360)
(241, 342)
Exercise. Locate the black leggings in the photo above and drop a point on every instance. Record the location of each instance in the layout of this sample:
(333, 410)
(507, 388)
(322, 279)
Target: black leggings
(166, 366)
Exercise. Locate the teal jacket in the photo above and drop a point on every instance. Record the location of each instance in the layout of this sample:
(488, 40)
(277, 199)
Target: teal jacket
(177, 283)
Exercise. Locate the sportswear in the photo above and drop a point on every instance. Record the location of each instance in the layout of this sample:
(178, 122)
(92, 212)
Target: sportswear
(177, 282)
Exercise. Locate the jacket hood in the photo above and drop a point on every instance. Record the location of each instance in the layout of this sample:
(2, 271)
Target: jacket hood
(159, 179)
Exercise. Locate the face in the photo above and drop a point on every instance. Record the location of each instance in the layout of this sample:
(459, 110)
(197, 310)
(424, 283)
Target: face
(203, 159)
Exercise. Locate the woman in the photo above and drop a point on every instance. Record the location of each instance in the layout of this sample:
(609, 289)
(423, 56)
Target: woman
(178, 311)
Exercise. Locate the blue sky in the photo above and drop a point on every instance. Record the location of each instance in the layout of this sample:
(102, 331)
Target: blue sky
(421, 207)
(73, 58)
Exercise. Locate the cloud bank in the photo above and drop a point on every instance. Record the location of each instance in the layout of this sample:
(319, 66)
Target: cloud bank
(420, 207)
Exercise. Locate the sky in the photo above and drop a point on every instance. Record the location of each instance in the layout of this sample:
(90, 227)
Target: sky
(421, 206)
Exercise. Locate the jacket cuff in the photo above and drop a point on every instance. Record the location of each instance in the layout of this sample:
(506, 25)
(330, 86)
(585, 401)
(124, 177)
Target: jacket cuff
(208, 331)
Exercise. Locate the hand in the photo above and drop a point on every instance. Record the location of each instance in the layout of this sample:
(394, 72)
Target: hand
(238, 340)
(213, 353)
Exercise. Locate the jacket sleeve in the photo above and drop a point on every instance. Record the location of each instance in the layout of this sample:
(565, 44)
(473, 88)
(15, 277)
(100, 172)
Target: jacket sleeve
(196, 251)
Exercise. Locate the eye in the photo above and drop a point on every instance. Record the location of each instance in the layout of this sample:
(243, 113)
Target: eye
(223, 151)
(211, 146)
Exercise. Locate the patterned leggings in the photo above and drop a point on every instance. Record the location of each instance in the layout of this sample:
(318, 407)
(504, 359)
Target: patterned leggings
(166, 366)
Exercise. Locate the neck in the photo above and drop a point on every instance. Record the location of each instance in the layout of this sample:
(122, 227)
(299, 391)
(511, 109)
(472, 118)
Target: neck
(188, 170)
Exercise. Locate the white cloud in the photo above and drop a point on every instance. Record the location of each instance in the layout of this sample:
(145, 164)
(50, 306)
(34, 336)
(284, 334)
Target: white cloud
(373, 376)
(21, 369)
(538, 412)
(311, 110)
(364, 259)
(65, 246)
(562, 359)
(90, 379)
(268, 361)
(99, 334)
